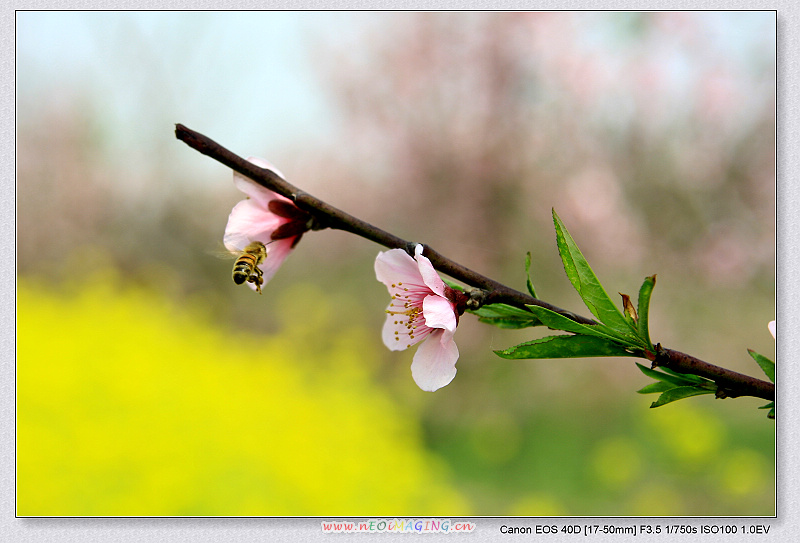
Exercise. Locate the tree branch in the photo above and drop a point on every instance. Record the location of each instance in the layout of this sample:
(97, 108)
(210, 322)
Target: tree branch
(332, 217)
(730, 383)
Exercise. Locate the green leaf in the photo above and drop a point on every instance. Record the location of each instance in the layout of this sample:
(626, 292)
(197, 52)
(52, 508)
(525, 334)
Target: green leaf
(679, 393)
(506, 316)
(688, 377)
(771, 407)
(767, 365)
(658, 386)
(644, 308)
(556, 321)
(528, 274)
(677, 379)
(675, 386)
(565, 346)
(586, 283)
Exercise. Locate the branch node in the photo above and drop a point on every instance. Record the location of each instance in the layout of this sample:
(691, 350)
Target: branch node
(410, 248)
(477, 297)
(657, 357)
(724, 392)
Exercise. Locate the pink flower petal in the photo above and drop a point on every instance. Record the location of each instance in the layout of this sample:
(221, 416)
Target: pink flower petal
(434, 364)
(277, 251)
(248, 222)
(428, 273)
(439, 313)
(395, 266)
(771, 327)
(255, 191)
(395, 333)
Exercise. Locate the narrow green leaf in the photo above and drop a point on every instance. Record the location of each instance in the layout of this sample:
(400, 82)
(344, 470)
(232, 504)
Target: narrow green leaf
(771, 407)
(679, 393)
(644, 309)
(586, 283)
(671, 377)
(556, 321)
(528, 274)
(767, 365)
(691, 378)
(566, 346)
(658, 386)
(506, 316)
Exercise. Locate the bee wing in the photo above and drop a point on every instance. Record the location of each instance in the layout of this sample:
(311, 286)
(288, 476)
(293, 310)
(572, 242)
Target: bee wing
(221, 252)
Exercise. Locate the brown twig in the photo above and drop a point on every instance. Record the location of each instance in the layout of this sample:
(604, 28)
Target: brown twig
(332, 217)
(729, 382)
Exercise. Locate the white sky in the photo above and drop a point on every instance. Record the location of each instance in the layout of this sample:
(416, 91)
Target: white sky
(244, 77)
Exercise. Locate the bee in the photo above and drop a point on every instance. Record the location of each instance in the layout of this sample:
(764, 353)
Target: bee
(245, 269)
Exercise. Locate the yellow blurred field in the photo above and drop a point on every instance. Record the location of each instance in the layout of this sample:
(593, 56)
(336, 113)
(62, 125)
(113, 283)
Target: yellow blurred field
(128, 405)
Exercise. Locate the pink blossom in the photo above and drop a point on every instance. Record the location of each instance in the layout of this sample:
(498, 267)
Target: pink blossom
(771, 326)
(267, 217)
(422, 308)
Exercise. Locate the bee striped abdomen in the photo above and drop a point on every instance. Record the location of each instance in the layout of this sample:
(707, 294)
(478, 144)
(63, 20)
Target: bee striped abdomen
(245, 269)
(242, 270)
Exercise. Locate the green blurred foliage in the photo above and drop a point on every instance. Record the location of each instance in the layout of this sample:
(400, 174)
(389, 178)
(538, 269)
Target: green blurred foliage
(129, 404)
(618, 460)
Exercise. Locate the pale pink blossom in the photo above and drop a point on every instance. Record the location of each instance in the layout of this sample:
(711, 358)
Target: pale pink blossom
(267, 217)
(771, 326)
(422, 308)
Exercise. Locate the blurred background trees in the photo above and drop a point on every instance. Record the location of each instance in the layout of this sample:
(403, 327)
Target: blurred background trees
(653, 136)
